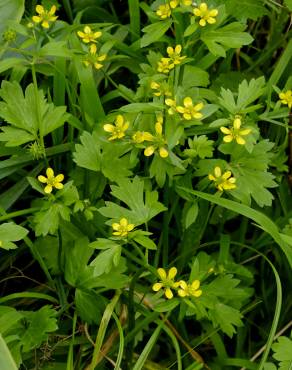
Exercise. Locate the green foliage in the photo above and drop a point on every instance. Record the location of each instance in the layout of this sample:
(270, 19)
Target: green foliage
(283, 352)
(10, 233)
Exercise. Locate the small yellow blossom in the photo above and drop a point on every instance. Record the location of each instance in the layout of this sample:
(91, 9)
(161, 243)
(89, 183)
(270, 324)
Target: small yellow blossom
(172, 106)
(88, 35)
(158, 141)
(222, 182)
(189, 110)
(122, 228)
(192, 289)
(235, 133)
(160, 89)
(118, 129)
(174, 54)
(173, 3)
(167, 282)
(186, 2)
(141, 136)
(163, 11)
(45, 16)
(165, 65)
(51, 180)
(286, 98)
(206, 15)
(94, 59)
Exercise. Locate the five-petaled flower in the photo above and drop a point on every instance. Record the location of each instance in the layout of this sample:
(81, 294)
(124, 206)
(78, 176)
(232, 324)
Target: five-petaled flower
(192, 289)
(189, 110)
(167, 281)
(88, 35)
(118, 129)
(174, 54)
(223, 181)
(163, 11)
(94, 59)
(44, 17)
(51, 180)
(235, 132)
(206, 15)
(158, 141)
(122, 228)
(164, 65)
(286, 98)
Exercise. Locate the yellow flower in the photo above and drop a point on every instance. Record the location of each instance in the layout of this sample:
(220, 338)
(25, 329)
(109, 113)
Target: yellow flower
(163, 11)
(45, 16)
(165, 65)
(94, 59)
(167, 282)
(186, 2)
(235, 133)
(189, 110)
(158, 141)
(141, 136)
(88, 35)
(118, 129)
(286, 98)
(174, 54)
(222, 182)
(192, 289)
(51, 180)
(123, 228)
(207, 16)
(172, 106)
(160, 89)
(173, 3)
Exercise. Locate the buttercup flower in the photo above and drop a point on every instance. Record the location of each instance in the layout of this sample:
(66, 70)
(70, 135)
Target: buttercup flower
(235, 133)
(45, 16)
(286, 98)
(158, 141)
(88, 35)
(172, 106)
(118, 129)
(163, 11)
(206, 15)
(167, 282)
(51, 180)
(123, 228)
(192, 289)
(189, 110)
(141, 136)
(173, 3)
(160, 89)
(222, 182)
(165, 65)
(94, 59)
(174, 54)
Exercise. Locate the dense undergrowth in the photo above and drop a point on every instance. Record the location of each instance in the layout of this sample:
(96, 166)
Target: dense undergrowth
(145, 195)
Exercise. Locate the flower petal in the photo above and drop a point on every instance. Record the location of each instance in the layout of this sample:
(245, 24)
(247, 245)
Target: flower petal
(149, 151)
(40, 9)
(58, 185)
(163, 152)
(157, 286)
(42, 179)
(168, 293)
(162, 273)
(172, 273)
(48, 189)
(228, 138)
(188, 102)
(59, 178)
(196, 284)
(197, 293)
(50, 173)
(217, 171)
(109, 128)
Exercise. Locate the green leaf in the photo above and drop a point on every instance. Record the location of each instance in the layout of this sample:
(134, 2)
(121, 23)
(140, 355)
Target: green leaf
(288, 3)
(252, 9)
(195, 76)
(88, 154)
(191, 214)
(9, 233)
(6, 359)
(55, 49)
(230, 36)
(145, 241)
(200, 146)
(154, 31)
(39, 324)
(47, 220)
(88, 306)
(106, 259)
(167, 306)
(283, 352)
(10, 10)
(132, 193)
(226, 317)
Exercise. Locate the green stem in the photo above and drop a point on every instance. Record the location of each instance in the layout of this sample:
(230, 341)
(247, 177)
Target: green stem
(8, 216)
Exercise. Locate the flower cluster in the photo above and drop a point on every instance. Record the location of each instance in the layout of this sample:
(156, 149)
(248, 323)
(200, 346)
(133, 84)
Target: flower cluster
(45, 17)
(160, 88)
(166, 64)
(168, 284)
(223, 181)
(206, 15)
(235, 132)
(188, 110)
(89, 37)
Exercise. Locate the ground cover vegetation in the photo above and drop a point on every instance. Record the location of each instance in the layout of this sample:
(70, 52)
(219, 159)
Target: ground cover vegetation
(145, 195)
